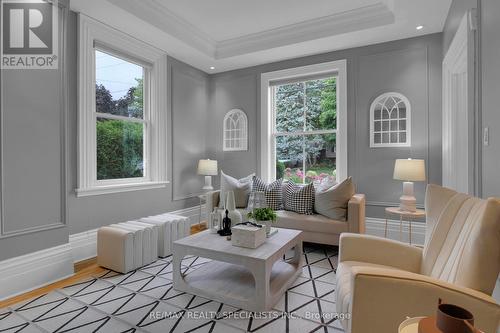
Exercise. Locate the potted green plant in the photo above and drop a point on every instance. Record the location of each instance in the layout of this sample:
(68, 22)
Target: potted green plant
(265, 216)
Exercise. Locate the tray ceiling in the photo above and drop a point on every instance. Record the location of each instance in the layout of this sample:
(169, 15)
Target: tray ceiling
(230, 34)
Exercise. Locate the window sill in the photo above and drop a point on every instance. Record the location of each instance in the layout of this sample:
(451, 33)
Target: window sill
(118, 188)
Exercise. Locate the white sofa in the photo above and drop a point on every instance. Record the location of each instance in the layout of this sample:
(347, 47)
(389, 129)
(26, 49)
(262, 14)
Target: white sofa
(316, 228)
(380, 281)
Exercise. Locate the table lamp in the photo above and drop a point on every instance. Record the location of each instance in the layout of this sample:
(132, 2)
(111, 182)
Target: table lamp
(207, 168)
(409, 171)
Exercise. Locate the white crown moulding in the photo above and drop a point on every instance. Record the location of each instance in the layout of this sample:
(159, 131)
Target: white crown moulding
(353, 20)
(159, 16)
(151, 11)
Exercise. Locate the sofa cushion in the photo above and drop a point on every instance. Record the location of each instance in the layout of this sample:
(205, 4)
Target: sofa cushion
(240, 187)
(299, 198)
(272, 191)
(333, 202)
(311, 223)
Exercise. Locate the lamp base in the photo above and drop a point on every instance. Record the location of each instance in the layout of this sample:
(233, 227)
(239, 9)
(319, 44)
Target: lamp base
(208, 184)
(408, 202)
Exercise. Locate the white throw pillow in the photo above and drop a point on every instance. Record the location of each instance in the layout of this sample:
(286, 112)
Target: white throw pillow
(241, 188)
(333, 202)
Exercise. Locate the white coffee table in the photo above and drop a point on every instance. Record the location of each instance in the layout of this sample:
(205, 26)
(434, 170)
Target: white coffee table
(251, 279)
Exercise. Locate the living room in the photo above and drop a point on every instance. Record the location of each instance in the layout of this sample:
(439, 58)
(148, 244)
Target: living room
(364, 130)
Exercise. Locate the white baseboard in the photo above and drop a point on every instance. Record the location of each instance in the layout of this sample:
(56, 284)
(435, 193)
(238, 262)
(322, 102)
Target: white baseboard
(193, 213)
(30, 271)
(376, 227)
(83, 245)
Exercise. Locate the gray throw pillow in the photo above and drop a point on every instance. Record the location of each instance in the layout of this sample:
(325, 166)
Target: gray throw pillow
(332, 203)
(240, 187)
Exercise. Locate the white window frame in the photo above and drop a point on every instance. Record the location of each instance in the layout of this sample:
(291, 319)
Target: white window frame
(242, 130)
(95, 35)
(382, 99)
(268, 119)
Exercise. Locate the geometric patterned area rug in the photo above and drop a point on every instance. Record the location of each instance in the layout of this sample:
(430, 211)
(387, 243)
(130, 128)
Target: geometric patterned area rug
(144, 301)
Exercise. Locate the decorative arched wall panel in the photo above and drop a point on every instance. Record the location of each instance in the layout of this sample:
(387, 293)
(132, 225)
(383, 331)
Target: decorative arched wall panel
(235, 131)
(390, 121)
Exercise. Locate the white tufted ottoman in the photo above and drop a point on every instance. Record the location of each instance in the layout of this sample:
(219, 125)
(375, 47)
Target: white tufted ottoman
(170, 228)
(143, 243)
(115, 249)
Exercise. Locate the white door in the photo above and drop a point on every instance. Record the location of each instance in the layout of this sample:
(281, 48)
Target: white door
(458, 109)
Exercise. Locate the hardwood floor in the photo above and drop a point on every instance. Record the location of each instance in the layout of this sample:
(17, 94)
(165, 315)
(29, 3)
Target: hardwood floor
(84, 273)
(83, 270)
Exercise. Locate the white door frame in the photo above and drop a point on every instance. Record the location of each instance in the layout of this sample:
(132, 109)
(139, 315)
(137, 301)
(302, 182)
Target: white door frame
(459, 111)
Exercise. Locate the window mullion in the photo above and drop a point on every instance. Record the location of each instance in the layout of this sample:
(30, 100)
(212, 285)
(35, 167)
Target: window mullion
(303, 136)
(304, 158)
(116, 117)
(317, 132)
(304, 112)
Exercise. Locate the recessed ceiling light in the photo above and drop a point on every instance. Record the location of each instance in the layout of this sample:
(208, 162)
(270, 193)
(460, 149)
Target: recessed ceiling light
(420, 27)
(212, 67)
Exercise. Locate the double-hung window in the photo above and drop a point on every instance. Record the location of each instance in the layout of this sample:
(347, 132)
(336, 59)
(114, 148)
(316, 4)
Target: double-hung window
(122, 119)
(122, 112)
(305, 114)
(304, 123)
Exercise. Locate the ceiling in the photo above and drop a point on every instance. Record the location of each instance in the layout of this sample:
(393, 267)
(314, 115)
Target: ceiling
(231, 34)
(227, 19)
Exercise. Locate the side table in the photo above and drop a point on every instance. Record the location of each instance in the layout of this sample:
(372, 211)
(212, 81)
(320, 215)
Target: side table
(409, 216)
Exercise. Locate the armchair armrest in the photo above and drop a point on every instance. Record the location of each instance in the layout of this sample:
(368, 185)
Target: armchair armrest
(376, 250)
(212, 200)
(409, 294)
(356, 213)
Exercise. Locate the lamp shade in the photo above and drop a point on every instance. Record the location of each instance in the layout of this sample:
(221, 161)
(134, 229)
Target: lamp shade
(409, 170)
(207, 167)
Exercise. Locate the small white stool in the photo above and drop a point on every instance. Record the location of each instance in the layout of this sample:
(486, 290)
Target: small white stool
(115, 249)
(141, 247)
(170, 228)
(154, 238)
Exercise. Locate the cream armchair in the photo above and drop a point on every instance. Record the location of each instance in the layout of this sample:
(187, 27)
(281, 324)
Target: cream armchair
(380, 281)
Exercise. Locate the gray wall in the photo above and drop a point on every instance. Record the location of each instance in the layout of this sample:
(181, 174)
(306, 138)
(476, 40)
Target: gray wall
(411, 66)
(33, 212)
(490, 61)
(34, 191)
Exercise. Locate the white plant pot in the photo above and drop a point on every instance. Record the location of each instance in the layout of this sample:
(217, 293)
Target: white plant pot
(267, 225)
